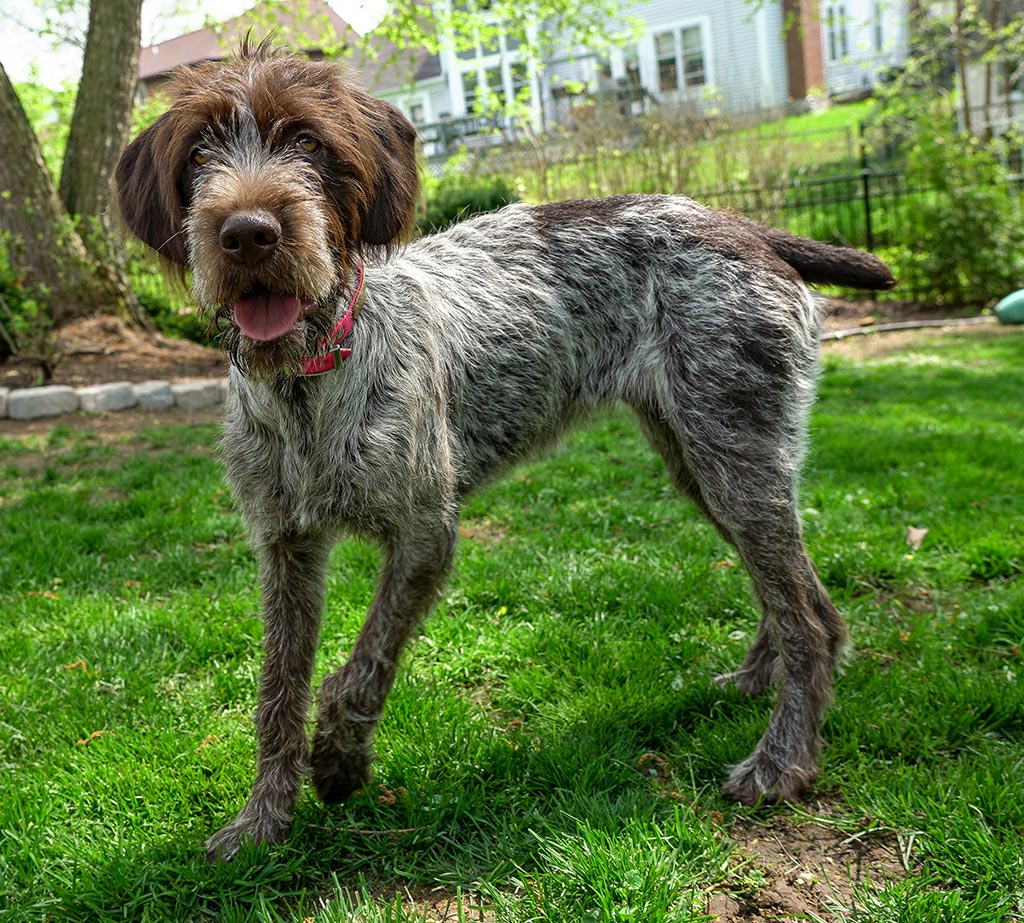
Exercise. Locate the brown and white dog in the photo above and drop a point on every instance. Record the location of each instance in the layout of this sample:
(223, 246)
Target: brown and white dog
(271, 179)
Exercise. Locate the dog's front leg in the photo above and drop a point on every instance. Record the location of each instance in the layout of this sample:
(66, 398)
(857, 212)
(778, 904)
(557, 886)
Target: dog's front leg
(351, 700)
(292, 574)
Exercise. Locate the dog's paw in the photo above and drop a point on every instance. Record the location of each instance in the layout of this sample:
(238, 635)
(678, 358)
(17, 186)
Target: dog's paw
(243, 831)
(336, 771)
(758, 780)
(749, 682)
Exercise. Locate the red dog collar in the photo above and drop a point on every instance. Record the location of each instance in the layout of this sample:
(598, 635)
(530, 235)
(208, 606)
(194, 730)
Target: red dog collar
(334, 354)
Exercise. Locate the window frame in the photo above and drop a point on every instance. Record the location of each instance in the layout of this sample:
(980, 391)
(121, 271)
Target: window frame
(662, 64)
(504, 58)
(837, 26)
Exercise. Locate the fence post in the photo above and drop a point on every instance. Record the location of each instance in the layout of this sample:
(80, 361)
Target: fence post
(865, 182)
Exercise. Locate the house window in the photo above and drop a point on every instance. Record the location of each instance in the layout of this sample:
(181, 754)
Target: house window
(417, 113)
(493, 71)
(838, 42)
(470, 83)
(520, 79)
(665, 52)
(693, 57)
(878, 33)
(490, 45)
(680, 59)
(495, 86)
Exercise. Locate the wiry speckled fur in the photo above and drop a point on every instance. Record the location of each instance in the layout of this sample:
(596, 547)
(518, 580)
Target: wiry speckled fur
(474, 349)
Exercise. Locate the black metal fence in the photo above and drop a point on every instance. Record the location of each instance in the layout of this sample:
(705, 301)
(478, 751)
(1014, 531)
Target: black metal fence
(827, 185)
(857, 210)
(870, 209)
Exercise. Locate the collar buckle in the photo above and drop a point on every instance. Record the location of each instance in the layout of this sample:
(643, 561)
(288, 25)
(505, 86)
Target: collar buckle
(335, 353)
(330, 362)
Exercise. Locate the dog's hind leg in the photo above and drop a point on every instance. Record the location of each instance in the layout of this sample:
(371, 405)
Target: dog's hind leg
(737, 399)
(808, 634)
(351, 700)
(752, 493)
(755, 674)
(292, 574)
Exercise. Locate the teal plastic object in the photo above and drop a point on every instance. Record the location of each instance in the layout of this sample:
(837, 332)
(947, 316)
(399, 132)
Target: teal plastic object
(1011, 309)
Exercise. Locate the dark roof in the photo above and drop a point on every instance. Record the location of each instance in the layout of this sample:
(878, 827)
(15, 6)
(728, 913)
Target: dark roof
(386, 67)
(389, 67)
(217, 42)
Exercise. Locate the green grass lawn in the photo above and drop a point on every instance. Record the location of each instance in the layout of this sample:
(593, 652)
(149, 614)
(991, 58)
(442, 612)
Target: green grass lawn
(683, 156)
(554, 743)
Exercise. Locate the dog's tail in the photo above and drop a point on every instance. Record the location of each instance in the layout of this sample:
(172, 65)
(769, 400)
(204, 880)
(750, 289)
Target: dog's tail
(825, 264)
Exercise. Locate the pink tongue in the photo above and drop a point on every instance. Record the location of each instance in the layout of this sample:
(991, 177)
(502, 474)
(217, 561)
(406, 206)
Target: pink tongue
(267, 316)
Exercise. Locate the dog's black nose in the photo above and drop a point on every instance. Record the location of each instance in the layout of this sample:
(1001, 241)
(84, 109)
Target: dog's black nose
(250, 237)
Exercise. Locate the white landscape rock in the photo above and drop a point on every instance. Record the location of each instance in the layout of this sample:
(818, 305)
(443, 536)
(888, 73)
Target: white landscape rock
(192, 395)
(154, 395)
(118, 395)
(47, 401)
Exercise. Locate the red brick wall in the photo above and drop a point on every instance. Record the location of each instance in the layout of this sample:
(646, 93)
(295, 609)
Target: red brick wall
(803, 47)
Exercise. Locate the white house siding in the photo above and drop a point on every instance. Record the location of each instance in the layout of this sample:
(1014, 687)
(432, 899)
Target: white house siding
(859, 39)
(561, 81)
(743, 56)
(772, 27)
(440, 100)
(423, 102)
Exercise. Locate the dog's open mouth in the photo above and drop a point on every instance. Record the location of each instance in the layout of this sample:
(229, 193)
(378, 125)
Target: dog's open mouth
(263, 315)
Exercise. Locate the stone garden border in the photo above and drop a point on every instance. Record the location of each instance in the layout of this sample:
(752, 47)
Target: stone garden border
(56, 400)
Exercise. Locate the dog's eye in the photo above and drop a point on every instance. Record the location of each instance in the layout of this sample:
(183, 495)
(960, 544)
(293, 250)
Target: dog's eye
(308, 143)
(199, 157)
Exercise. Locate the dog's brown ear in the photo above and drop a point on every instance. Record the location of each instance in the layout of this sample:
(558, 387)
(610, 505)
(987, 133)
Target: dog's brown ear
(391, 211)
(147, 193)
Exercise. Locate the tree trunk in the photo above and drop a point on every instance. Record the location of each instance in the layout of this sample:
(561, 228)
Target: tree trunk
(40, 241)
(103, 107)
(99, 131)
(960, 44)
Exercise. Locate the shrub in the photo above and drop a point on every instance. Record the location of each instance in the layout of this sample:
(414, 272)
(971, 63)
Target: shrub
(958, 233)
(458, 195)
(966, 241)
(15, 303)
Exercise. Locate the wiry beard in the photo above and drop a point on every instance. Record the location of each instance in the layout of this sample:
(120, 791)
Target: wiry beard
(284, 356)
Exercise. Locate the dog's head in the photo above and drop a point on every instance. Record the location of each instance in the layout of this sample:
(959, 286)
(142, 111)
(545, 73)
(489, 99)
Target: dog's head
(267, 177)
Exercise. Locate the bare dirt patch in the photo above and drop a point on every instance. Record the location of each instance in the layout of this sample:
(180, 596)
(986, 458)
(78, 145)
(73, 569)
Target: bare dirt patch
(864, 315)
(876, 346)
(485, 531)
(110, 427)
(841, 313)
(99, 350)
(806, 867)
